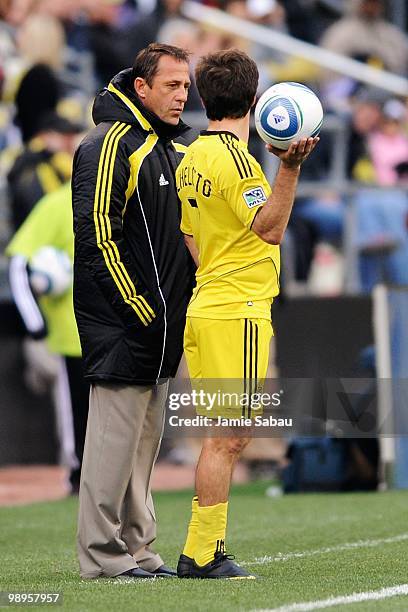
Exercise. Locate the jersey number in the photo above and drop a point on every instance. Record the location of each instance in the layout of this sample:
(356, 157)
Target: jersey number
(193, 202)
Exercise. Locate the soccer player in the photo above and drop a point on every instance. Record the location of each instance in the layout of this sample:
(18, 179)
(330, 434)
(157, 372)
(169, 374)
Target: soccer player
(233, 225)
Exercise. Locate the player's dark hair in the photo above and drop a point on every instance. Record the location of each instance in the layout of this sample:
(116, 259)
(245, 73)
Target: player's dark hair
(147, 60)
(227, 82)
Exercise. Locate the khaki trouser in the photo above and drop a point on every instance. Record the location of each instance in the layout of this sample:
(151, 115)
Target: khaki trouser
(116, 521)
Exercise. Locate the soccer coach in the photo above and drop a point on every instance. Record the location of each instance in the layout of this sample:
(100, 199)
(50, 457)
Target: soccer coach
(132, 283)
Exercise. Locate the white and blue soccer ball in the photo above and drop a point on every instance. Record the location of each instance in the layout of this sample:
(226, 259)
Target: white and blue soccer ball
(287, 112)
(50, 271)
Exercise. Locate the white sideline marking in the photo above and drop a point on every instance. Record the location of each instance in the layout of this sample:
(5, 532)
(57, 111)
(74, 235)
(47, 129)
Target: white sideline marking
(329, 549)
(400, 589)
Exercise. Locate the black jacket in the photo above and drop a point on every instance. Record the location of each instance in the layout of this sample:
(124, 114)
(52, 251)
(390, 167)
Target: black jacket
(132, 272)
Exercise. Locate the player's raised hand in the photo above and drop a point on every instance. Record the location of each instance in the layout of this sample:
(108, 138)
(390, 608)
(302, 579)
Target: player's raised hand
(297, 152)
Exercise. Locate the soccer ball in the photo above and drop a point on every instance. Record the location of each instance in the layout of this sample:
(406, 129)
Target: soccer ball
(50, 271)
(287, 112)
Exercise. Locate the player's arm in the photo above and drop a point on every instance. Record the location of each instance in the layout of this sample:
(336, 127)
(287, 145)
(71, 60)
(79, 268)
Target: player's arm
(25, 298)
(36, 231)
(186, 227)
(272, 219)
(192, 247)
(99, 185)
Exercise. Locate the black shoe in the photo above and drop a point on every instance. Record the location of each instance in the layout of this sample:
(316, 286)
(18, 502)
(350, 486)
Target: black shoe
(184, 567)
(165, 572)
(136, 572)
(221, 567)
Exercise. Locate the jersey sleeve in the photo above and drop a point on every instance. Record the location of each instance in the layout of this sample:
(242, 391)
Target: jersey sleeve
(186, 225)
(243, 185)
(41, 228)
(25, 299)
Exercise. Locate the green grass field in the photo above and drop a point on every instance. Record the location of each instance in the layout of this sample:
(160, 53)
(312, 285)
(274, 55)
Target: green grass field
(304, 548)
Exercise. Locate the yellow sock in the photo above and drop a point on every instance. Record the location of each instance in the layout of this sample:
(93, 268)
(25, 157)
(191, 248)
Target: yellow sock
(212, 525)
(191, 541)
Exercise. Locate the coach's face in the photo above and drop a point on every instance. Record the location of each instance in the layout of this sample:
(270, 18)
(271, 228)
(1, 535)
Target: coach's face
(168, 92)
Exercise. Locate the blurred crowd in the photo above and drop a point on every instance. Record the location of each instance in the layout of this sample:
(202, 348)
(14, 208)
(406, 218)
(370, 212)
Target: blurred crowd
(54, 56)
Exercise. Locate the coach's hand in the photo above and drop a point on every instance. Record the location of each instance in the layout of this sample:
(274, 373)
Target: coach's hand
(297, 152)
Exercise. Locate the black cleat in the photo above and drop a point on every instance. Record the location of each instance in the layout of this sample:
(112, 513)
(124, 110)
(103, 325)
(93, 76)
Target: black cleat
(136, 572)
(164, 572)
(221, 567)
(184, 567)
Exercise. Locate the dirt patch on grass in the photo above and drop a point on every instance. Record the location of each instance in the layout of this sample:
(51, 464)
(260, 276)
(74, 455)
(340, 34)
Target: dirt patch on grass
(27, 484)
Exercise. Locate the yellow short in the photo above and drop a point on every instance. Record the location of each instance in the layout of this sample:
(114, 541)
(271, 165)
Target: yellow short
(231, 356)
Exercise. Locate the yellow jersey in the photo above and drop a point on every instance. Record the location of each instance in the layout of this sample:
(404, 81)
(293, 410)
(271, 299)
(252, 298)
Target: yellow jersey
(221, 188)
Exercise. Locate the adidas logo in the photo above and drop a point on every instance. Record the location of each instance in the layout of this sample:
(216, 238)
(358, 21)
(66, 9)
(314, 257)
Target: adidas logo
(163, 181)
(278, 118)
